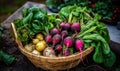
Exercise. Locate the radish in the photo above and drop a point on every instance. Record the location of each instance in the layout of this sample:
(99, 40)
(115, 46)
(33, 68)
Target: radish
(56, 39)
(62, 25)
(64, 34)
(79, 44)
(55, 31)
(48, 39)
(58, 48)
(66, 26)
(66, 52)
(68, 42)
(76, 27)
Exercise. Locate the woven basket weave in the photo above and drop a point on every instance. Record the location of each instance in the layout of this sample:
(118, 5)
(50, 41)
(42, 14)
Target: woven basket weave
(52, 63)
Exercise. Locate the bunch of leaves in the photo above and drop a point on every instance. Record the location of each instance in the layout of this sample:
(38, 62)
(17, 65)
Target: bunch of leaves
(59, 4)
(93, 32)
(75, 13)
(33, 21)
(104, 9)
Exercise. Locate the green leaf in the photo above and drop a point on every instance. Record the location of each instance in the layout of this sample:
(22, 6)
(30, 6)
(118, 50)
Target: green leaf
(98, 55)
(109, 59)
(8, 59)
(71, 50)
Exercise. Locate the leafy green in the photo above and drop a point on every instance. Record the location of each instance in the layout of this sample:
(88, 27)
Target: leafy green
(73, 14)
(35, 20)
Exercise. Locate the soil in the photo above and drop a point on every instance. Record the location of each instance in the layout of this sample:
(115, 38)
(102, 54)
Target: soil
(23, 64)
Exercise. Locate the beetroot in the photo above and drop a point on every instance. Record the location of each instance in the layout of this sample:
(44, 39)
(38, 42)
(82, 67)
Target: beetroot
(55, 31)
(48, 39)
(56, 39)
(76, 27)
(79, 44)
(64, 34)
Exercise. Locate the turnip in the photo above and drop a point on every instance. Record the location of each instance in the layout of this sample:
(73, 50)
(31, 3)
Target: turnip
(55, 31)
(76, 27)
(56, 39)
(68, 42)
(48, 39)
(49, 52)
(64, 34)
(79, 44)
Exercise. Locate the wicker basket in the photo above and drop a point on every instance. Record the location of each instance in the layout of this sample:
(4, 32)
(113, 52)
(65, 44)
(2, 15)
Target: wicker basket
(52, 63)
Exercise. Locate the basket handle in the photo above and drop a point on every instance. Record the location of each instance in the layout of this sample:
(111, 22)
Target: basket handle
(14, 30)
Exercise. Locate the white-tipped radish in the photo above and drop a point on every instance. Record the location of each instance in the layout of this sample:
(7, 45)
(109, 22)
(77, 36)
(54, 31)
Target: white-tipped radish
(79, 44)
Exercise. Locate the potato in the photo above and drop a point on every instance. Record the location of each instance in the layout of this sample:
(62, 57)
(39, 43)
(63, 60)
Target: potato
(30, 47)
(40, 46)
(35, 41)
(49, 52)
(36, 52)
(39, 36)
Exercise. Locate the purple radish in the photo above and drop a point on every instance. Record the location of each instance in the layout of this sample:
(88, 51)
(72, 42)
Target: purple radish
(64, 34)
(62, 25)
(79, 44)
(76, 27)
(56, 39)
(66, 26)
(66, 52)
(68, 41)
(55, 31)
(48, 39)
(58, 48)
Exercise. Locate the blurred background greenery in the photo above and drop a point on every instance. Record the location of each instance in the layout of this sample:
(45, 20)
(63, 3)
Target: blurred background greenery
(7, 7)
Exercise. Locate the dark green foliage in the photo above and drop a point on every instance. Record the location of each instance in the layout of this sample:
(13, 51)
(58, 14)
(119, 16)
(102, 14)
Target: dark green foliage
(8, 59)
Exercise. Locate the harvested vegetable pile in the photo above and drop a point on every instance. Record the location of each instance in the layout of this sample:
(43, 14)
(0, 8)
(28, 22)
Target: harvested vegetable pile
(73, 29)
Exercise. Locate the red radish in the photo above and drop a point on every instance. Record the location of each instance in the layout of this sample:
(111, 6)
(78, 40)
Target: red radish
(79, 44)
(48, 39)
(62, 25)
(68, 41)
(66, 52)
(56, 39)
(58, 48)
(55, 31)
(64, 34)
(76, 27)
(66, 26)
